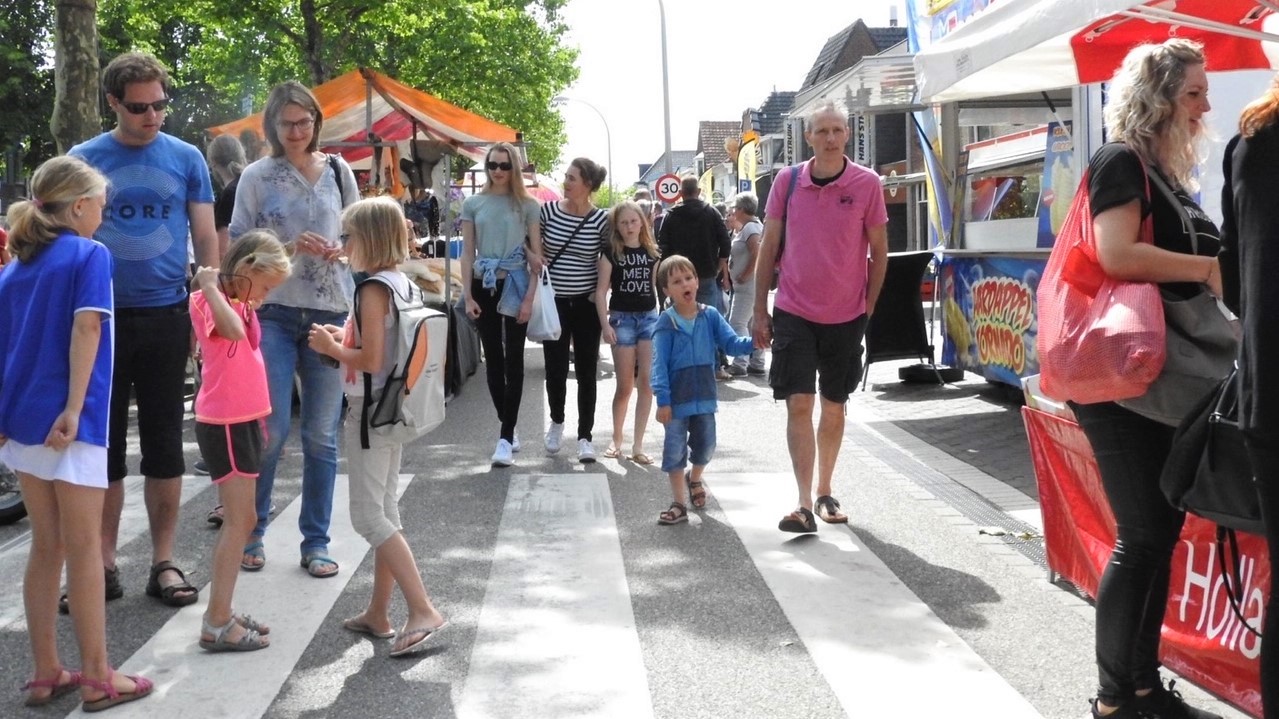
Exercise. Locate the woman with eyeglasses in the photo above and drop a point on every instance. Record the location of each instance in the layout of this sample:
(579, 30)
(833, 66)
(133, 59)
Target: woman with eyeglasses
(499, 298)
(299, 193)
(575, 233)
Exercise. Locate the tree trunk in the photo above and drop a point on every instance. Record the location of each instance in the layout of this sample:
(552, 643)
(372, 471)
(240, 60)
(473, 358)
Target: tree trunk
(314, 44)
(77, 114)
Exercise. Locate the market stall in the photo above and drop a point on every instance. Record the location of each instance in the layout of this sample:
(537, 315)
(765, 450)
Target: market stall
(1017, 101)
(970, 52)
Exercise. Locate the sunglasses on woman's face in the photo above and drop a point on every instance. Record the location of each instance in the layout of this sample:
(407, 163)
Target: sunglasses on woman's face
(503, 166)
(140, 108)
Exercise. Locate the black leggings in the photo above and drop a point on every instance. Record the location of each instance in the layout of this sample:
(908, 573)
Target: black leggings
(1265, 463)
(579, 322)
(503, 341)
(1133, 594)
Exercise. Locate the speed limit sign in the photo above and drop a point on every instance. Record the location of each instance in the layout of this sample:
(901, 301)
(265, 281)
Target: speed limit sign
(668, 187)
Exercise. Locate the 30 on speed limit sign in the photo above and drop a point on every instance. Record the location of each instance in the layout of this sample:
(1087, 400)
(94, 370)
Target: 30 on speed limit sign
(668, 187)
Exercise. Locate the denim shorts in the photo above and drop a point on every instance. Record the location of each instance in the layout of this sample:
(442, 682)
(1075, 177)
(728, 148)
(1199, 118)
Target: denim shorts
(632, 328)
(690, 439)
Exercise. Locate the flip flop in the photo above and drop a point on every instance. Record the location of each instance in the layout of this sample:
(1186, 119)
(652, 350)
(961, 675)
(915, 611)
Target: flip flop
(359, 626)
(641, 458)
(313, 563)
(612, 452)
(253, 549)
(420, 644)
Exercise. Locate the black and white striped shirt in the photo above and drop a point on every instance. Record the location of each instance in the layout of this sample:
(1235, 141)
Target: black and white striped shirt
(575, 271)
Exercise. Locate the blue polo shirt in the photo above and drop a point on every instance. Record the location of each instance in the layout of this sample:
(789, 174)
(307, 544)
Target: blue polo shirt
(38, 304)
(145, 224)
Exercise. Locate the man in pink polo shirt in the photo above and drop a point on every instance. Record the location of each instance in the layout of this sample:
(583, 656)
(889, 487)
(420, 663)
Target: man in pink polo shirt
(832, 270)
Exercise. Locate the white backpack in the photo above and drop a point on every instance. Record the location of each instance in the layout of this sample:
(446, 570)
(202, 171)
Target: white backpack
(411, 403)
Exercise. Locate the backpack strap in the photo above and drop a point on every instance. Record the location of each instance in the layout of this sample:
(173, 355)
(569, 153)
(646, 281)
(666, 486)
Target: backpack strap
(790, 189)
(367, 404)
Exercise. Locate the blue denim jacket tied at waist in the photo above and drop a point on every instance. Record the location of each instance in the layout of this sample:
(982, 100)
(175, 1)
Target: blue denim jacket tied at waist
(517, 278)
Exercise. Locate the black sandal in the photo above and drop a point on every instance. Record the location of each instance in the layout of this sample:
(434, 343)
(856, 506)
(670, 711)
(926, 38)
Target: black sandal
(114, 590)
(675, 514)
(800, 522)
(178, 595)
(696, 491)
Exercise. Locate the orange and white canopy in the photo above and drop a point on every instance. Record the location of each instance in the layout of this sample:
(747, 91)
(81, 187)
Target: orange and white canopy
(365, 101)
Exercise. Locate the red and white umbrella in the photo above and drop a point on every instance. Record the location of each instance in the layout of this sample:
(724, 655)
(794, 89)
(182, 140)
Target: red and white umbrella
(1006, 47)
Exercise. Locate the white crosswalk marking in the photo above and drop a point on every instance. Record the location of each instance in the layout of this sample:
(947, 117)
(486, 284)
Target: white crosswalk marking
(557, 635)
(133, 524)
(864, 629)
(282, 595)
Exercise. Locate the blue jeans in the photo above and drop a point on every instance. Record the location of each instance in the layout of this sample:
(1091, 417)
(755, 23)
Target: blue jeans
(690, 439)
(284, 347)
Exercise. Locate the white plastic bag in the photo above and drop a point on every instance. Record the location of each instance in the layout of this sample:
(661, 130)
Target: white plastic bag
(544, 321)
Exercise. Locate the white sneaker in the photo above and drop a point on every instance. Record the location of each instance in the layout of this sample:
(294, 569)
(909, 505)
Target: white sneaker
(502, 455)
(585, 451)
(515, 443)
(554, 436)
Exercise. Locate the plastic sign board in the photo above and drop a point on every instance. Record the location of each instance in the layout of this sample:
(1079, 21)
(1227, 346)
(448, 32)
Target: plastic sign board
(667, 187)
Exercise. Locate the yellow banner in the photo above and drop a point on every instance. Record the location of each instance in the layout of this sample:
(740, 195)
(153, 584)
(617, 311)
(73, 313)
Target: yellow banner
(707, 185)
(935, 6)
(746, 165)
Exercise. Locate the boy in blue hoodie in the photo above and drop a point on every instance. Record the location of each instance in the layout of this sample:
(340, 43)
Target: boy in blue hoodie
(683, 379)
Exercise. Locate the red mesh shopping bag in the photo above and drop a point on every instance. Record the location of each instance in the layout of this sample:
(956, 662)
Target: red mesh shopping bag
(1100, 339)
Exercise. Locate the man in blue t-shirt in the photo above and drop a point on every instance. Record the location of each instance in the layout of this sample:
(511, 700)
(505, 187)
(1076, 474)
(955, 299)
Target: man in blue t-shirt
(160, 193)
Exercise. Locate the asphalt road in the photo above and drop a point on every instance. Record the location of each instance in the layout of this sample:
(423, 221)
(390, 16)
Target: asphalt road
(566, 599)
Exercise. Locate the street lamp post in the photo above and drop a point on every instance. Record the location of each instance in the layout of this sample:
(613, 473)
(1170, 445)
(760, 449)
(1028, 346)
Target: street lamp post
(608, 137)
(666, 89)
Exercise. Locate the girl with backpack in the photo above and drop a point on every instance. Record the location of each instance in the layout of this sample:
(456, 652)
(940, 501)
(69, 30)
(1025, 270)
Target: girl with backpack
(377, 241)
(628, 318)
(230, 410)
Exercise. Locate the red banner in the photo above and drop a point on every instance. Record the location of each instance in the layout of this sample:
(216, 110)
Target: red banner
(1203, 641)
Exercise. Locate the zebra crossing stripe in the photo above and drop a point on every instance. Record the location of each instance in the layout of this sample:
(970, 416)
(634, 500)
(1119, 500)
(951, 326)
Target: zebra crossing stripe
(281, 595)
(557, 635)
(875, 642)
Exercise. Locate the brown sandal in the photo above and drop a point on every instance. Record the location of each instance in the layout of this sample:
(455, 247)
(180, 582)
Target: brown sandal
(829, 511)
(675, 514)
(696, 491)
(800, 522)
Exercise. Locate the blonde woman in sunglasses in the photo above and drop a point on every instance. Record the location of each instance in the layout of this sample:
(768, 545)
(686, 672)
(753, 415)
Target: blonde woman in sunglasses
(496, 222)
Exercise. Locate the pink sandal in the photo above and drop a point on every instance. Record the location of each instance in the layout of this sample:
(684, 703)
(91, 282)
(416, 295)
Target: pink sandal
(56, 688)
(141, 688)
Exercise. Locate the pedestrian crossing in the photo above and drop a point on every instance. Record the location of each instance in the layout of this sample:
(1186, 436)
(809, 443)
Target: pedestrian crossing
(556, 635)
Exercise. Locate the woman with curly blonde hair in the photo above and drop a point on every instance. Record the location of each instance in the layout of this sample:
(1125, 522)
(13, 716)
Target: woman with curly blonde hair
(1154, 120)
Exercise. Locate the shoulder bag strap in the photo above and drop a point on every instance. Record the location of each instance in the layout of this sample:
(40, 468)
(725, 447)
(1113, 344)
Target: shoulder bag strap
(569, 241)
(1187, 225)
(337, 177)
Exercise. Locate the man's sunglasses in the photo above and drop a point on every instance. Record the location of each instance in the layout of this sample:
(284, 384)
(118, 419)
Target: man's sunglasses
(503, 166)
(140, 108)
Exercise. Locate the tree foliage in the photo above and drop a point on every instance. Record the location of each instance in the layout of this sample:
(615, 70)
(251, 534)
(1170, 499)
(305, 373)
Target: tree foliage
(503, 59)
(26, 81)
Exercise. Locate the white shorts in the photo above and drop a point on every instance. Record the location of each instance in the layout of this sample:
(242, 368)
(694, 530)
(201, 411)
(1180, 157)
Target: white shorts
(81, 463)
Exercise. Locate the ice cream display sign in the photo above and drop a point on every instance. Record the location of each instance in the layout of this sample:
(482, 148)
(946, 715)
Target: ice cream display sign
(1059, 182)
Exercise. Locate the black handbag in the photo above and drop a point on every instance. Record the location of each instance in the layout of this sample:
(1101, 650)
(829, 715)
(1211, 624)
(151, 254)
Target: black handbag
(1208, 472)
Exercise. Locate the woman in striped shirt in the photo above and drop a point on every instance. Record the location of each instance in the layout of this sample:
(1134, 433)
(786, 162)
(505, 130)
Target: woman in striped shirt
(574, 233)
